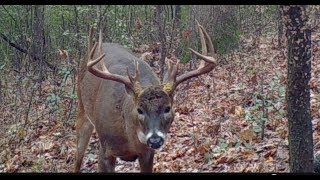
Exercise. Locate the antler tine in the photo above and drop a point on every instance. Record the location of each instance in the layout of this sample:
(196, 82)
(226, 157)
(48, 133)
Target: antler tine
(100, 41)
(203, 41)
(210, 44)
(172, 70)
(204, 49)
(90, 38)
(207, 63)
(91, 62)
(105, 74)
(205, 36)
(170, 77)
(136, 75)
(131, 81)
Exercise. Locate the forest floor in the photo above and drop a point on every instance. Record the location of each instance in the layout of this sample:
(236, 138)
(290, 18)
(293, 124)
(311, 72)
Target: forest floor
(217, 128)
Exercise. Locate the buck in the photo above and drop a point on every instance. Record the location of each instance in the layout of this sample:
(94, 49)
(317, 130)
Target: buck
(123, 99)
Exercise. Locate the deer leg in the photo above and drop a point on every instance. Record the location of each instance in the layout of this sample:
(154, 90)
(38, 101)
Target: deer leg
(146, 161)
(84, 131)
(106, 163)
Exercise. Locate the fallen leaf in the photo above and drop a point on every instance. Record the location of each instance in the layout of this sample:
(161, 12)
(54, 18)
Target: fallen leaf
(213, 130)
(247, 154)
(63, 54)
(269, 159)
(247, 135)
(238, 111)
(222, 160)
(270, 153)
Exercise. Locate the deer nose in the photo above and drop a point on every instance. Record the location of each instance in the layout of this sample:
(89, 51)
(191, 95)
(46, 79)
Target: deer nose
(155, 142)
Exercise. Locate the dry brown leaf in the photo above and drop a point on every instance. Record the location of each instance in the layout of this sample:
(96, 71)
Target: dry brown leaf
(179, 153)
(247, 154)
(213, 130)
(270, 153)
(43, 137)
(283, 132)
(183, 110)
(203, 148)
(254, 80)
(260, 167)
(313, 83)
(176, 166)
(269, 146)
(269, 159)
(247, 135)
(222, 160)
(147, 56)
(138, 23)
(22, 133)
(186, 34)
(63, 54)
(238, 111)
(244, 123)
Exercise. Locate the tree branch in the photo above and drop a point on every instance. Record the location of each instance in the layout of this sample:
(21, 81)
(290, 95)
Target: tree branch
(5, 38)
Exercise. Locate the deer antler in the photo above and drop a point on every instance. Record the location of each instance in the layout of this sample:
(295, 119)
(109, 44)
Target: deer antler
(206, 65)
(131, 82)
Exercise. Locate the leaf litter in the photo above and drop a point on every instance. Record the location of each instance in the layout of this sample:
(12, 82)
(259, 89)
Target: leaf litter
(217, 126)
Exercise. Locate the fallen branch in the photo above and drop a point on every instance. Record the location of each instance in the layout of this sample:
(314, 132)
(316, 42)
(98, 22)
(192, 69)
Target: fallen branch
(5, 38)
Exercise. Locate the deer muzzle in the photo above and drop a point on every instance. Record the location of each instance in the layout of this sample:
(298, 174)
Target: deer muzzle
(155, 140)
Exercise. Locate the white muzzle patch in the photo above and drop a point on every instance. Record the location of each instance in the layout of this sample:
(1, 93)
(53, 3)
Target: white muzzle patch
(161, 134)
(142, 137)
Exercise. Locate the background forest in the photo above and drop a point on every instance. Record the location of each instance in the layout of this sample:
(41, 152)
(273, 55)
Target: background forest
(232, 119)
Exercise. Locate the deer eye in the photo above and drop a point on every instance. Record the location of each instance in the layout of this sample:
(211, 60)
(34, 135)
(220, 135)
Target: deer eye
(167, 109)
(140, 111)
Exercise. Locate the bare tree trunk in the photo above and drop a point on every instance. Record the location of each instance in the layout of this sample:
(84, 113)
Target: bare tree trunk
(1, 92)
(115, 19)
(63, 27)
(17, 56)
(27, 12)
(162, 38)
(192, 27)
(260, 21)
(130, 20)
(98, 20)
(298, 90)
(38, 47)
(280, 28)
(77, 44)
(177, 15)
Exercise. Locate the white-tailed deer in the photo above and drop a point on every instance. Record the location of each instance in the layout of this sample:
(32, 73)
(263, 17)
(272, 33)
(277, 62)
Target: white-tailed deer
(123, 99)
